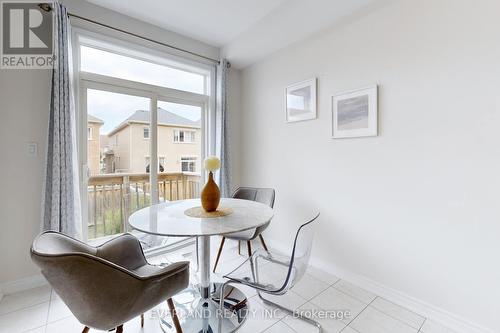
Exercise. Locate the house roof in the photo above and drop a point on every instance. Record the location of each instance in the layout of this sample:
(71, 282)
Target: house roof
(165, 118)
(92, 119)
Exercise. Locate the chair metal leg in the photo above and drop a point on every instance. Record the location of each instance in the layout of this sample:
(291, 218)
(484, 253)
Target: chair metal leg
(219, 252)
(291, 312)
(239, 248)
(263, 243)
(85, 329)
(175, 318)
(142, 320)
(119, 329)
(249, 248)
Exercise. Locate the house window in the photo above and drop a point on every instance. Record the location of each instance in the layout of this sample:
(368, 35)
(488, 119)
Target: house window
(89, 133)
(145, 133)
(184, 136)
(188, 164)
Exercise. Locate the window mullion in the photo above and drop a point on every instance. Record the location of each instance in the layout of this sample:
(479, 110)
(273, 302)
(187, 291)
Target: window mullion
(153, 139)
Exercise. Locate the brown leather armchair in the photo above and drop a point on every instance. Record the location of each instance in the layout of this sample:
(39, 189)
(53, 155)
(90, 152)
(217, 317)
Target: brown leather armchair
(108, 285)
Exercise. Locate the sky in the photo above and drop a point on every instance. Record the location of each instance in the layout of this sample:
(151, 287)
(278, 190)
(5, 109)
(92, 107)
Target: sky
(114, 108)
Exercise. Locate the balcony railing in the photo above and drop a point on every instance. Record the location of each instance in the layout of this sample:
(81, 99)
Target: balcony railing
(113, 197)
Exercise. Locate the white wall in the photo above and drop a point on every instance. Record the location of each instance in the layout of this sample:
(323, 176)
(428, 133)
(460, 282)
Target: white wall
(417, 208)
(24, 119)
(24, 104)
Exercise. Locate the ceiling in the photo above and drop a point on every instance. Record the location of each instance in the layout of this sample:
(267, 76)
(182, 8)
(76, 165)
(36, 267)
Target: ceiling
(245, 30)
(215, 22)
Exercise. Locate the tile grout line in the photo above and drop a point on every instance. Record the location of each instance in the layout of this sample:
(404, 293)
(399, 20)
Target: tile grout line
(398, 319)
(357, 299)
(360, 312)
(280, 320)
(48, 310)
(23, 308)
(284, 322)
(415, 313)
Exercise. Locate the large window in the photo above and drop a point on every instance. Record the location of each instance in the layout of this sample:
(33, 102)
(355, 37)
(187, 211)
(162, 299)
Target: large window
(137, 107)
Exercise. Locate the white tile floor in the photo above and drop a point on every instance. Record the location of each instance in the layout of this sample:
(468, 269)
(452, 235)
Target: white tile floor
(41, 311)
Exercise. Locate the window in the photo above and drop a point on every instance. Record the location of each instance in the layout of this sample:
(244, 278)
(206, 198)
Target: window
(188, 164)
(184, 136)
(97, 61)
(161, 164)
(129, 89)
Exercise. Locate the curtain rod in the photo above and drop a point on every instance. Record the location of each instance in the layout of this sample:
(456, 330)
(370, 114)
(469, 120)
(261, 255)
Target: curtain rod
(46, 7)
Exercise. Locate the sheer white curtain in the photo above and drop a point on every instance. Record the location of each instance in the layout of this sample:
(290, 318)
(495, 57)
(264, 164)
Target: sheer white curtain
(61, 202)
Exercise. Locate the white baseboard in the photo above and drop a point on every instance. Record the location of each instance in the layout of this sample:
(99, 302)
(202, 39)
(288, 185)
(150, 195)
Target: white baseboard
(441, 316)
(15, 286)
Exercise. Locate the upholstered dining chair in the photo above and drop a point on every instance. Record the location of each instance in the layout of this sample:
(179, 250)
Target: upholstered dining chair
(292, 267)
(108, 285)
(262, 195)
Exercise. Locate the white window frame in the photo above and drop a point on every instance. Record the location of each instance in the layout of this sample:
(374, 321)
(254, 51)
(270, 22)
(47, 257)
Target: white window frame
(83, 80)
(144, 129)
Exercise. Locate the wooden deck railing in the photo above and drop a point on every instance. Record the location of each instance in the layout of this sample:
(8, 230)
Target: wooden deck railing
(113, 197)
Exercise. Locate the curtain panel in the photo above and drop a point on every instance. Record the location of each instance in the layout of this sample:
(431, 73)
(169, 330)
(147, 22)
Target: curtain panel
(222, 130)
(61, 202)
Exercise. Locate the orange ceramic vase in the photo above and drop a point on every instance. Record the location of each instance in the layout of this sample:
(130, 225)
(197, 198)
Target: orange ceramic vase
(210, 195)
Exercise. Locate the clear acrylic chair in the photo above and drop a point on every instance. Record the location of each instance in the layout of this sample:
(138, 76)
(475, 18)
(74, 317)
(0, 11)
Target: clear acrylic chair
(293, 267)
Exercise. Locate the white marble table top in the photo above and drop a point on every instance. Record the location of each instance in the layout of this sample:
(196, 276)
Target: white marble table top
(168, 218)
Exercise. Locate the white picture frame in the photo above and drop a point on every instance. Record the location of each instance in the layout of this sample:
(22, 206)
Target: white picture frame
(300, 101)
(355, 113)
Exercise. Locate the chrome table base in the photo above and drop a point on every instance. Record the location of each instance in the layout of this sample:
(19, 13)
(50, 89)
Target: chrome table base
(198, 306)
(203, 315)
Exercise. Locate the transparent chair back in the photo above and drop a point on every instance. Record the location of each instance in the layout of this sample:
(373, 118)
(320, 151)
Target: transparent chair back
(301, 252)
(293, 266)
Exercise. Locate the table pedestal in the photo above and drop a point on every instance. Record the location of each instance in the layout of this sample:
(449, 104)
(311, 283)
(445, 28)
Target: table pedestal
(198, 306)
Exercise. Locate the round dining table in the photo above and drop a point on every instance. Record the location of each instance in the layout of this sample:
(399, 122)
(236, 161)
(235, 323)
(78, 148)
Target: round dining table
(198, 306)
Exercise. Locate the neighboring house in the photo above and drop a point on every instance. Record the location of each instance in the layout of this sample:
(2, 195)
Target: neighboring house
(179, 144)
(107, 155)
(93, 145)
